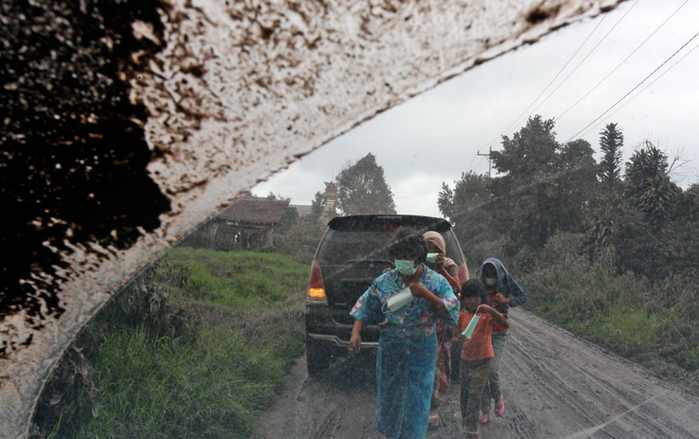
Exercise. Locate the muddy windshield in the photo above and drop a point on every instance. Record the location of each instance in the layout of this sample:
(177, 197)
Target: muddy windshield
(510, 251)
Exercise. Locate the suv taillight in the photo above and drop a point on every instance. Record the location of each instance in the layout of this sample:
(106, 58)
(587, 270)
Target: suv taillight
(316, 289)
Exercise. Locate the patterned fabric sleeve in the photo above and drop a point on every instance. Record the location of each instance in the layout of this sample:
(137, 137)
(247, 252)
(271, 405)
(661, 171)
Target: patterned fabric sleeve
(368, 307)
(446, 293)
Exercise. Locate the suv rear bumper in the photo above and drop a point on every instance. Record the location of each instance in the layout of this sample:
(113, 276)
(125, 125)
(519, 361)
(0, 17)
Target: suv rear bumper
(334, 340)
(328, 340)
(321, 327)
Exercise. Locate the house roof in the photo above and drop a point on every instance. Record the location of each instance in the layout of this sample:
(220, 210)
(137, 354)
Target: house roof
(254, 210)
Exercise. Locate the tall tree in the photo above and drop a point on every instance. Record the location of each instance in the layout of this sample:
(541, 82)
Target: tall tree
(543, 186)
(649, 186)
(363, 188)
(290, 216)
(317, 205)
(648, 238)
(575, 184)
(468, 206)
(607, 209)
(611, 143)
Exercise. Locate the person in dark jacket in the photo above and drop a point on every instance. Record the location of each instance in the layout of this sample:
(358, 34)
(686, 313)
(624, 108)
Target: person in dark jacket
(503, 293)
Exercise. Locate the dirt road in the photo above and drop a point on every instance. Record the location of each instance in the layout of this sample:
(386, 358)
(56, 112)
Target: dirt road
(556, 386)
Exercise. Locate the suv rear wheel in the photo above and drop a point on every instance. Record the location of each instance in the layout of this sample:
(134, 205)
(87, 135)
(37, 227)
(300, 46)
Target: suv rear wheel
(317, 358)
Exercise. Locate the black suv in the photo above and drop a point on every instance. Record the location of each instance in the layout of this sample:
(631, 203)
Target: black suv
(351, 254)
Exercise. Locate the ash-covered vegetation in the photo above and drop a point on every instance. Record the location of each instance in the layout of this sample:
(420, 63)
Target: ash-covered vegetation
(607, 249)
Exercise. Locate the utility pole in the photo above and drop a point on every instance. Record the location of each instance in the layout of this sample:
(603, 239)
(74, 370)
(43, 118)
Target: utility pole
(490, 151)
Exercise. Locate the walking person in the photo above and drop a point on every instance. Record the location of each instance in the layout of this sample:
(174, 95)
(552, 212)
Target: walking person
(503, 293)
(477, 351)
(450, 270)
(407, 353)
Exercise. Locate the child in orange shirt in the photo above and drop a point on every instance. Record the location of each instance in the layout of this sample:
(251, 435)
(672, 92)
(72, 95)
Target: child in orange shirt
(476, 353)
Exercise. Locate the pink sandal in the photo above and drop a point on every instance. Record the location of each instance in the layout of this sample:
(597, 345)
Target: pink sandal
(500, 406)
(485, 418)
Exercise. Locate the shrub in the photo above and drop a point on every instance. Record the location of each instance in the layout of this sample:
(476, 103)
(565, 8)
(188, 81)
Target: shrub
(196, 345)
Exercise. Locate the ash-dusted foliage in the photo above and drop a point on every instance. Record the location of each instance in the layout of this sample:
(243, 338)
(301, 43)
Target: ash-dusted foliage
(196, 346)
(363, 188)
(651, 322)
(609, 253)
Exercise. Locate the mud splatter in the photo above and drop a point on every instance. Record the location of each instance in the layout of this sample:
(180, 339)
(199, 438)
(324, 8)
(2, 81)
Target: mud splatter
(74, 156)
(98, 184)
(541, 13)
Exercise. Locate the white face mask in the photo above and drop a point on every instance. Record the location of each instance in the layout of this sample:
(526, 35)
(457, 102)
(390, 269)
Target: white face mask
(405, 267)
(490, 281)
(468, 332)
(399, 300)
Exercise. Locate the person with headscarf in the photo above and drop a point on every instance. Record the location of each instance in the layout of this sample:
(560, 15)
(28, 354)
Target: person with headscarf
(407, 353)
(449, 269)
(443, 265)
(503, 293)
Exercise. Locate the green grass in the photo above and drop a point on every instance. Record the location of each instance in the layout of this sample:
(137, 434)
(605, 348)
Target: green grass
(239, 326)
(633, 326)
(213, 386)
(240, 279)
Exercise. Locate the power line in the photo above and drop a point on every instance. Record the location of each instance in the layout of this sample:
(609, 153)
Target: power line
(425, 194)
(549, 84)
(517, 119)
(634, 88)
(474, 159)
(651, 83)
(587, 56)
(622, 62)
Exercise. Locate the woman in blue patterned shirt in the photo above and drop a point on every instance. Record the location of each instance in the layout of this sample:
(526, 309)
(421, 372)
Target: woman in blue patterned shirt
(405, 362)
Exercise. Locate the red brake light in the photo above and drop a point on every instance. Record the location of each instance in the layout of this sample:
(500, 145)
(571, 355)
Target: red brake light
(316, 293)
(316, 289)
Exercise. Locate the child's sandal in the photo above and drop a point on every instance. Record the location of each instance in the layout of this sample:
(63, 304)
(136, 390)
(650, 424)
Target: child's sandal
(500, 406)
(485, 418)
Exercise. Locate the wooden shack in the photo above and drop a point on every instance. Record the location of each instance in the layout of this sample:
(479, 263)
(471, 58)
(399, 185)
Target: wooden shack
(248, 223)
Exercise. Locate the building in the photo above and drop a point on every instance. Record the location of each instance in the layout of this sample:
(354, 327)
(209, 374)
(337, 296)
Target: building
(330, 197)
(248, 223)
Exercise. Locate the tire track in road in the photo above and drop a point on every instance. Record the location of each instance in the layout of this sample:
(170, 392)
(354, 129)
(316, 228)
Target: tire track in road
(555, 385)
(588, 386)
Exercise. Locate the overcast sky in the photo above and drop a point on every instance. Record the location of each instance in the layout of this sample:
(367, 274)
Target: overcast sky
(436, 136)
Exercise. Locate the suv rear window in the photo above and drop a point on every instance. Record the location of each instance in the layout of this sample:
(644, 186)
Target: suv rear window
(354, 252)
(365, 238)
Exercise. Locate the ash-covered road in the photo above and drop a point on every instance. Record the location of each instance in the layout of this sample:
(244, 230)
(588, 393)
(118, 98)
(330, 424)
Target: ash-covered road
(556, 386)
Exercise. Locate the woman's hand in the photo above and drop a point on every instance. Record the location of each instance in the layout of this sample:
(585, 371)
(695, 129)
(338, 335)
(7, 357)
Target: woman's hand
(483, 308)
(499, 298)
(417, 289)
(439, 263)
(355, 343)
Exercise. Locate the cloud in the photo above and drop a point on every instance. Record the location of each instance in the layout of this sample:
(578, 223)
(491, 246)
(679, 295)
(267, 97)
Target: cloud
(436, 136)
